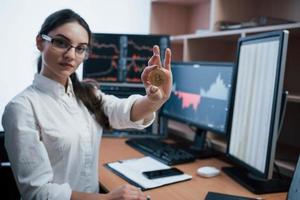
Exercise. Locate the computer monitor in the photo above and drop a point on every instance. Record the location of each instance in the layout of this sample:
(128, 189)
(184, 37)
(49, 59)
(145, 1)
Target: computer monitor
(200, 98)
(121, 58)
(256, 111)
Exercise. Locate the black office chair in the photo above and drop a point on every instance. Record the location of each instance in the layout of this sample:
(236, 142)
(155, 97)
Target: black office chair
(8, 185)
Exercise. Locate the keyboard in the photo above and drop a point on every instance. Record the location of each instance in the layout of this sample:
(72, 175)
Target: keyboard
(161, 151)
(131, 134)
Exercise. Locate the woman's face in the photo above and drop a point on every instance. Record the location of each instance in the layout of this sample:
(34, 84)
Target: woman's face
(59, 59)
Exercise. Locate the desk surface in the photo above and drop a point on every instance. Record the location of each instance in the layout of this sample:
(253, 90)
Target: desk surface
(113, 149)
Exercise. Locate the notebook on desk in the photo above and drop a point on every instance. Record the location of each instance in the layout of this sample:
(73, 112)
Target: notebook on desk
(132, 171)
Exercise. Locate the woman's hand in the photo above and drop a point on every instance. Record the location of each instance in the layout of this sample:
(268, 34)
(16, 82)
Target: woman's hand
(144, 107)
(162, 92)
(126, 192)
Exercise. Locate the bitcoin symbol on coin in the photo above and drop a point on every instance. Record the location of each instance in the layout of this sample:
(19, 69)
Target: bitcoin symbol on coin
(157, 77)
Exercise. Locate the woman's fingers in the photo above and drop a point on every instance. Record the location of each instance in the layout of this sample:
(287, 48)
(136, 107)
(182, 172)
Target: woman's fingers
(167, 63)
(155, 59)
(146, 73)
(135, 193)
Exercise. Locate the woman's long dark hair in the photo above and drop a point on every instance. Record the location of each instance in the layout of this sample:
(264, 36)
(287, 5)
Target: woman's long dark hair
(83, 91)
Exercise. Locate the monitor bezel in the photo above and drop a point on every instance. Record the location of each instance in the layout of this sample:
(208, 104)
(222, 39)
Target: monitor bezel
(199, 126)
(94, 36)
(278, 89)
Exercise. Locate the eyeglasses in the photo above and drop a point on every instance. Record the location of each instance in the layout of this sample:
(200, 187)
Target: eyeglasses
(61, 44)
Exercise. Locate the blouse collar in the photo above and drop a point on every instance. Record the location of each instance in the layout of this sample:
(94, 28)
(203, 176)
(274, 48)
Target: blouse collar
(52, 87)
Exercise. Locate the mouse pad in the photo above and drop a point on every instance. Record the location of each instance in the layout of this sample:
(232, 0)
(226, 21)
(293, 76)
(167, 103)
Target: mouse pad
(220, 196)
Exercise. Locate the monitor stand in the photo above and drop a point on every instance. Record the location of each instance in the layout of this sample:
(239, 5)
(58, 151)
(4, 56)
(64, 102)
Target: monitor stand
(258, 185)
(199, 148)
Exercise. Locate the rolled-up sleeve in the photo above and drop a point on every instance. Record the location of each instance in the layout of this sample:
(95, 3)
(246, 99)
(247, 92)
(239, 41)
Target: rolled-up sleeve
(118, 111)
(28, 156)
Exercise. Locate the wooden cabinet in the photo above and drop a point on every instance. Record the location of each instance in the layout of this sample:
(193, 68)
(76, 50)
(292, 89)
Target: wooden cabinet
(178, 17)
(193, 24)
(196, 35)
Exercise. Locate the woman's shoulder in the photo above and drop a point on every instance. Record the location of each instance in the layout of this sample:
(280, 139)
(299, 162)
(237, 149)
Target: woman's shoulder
(19, 112)
(23, 97)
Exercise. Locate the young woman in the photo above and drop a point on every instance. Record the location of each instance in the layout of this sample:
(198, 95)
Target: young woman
(53, 128)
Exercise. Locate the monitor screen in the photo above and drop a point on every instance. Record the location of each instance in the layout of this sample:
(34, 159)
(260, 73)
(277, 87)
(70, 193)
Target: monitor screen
(257, 102)
(103, 61)
(201, 95)
(121, 57)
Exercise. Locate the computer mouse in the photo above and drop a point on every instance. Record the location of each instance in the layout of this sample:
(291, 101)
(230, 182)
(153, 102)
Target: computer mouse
(208, 171)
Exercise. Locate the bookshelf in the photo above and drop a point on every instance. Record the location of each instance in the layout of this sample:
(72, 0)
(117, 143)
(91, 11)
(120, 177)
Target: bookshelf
(195, 35)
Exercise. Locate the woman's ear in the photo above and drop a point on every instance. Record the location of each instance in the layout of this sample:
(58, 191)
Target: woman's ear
(39, 43)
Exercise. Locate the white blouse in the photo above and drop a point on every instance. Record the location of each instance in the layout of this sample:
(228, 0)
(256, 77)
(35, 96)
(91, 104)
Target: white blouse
(53, 141)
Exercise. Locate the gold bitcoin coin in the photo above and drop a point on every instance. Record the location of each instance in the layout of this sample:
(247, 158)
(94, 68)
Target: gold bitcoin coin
(157, 77)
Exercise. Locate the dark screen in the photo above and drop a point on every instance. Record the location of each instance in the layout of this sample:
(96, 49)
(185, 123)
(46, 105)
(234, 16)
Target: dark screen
(121, 57)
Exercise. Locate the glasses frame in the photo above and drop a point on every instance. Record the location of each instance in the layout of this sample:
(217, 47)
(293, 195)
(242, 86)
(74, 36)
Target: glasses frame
(83, 55)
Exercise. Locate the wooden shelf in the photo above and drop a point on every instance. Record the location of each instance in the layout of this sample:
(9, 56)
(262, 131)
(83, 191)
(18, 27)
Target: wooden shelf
(199, 46)
(178, 2)
(286, 168)
(286, 158)
(241, 32)
(179, 17)
(293, 98)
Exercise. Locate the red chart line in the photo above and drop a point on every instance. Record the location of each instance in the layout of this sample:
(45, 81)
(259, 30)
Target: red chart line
(189, 99)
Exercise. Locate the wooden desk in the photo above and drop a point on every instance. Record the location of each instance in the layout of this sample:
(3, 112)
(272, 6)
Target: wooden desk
(113, 149)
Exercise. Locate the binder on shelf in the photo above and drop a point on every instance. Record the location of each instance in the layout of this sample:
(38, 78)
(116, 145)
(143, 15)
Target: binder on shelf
(131, 170)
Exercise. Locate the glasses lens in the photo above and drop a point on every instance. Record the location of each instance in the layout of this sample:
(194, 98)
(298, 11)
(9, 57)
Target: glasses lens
(81, 49)
(60, 43)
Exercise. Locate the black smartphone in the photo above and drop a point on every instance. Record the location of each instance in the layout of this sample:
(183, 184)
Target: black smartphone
(162, 173)
(216, 195)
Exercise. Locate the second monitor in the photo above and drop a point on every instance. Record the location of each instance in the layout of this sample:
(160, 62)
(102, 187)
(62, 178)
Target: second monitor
(201, 98)
(121, 58)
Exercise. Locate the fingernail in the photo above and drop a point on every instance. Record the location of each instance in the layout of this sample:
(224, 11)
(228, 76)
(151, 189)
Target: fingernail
(148, 197)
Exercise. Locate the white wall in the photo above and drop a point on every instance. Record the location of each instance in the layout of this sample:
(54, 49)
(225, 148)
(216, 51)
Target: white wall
(21, 20)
